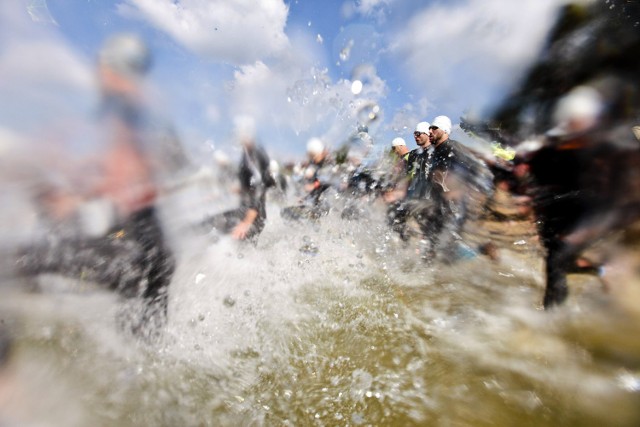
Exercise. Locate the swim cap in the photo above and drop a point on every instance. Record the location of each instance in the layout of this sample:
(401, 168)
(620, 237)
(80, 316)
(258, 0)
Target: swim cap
(397, 142)
(422, 127)
(442, 122)
(127, 54)
(315, 146)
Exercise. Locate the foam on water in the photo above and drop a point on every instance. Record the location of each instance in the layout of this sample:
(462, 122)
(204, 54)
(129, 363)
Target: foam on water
(329, 322)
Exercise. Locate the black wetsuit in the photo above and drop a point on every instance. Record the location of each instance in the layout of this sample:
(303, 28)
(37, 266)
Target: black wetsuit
(434, 207)
(255, 179)
(574, 183)
(132, 258)
(417, 164)
(312, 206)
(320, 186)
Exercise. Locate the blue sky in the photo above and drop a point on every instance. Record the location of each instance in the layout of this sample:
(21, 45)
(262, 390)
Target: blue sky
(289, 64)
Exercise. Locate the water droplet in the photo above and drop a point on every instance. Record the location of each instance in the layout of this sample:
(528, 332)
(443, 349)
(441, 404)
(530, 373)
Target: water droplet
(345, 53)
(356, 87)
(228, 301)
(309, 249)
(629, 382)
(368, 113)
(357, 418)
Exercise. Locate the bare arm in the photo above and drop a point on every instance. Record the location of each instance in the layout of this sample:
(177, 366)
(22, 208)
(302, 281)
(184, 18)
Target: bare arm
(240, 231)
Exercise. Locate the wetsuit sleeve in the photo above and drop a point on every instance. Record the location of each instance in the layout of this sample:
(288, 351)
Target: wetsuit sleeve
(267, 178)
(254, 193)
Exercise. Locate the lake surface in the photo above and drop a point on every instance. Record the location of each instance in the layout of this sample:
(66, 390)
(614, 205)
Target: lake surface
(333, 323)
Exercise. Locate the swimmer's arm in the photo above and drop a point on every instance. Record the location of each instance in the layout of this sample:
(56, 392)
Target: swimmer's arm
(240, 231)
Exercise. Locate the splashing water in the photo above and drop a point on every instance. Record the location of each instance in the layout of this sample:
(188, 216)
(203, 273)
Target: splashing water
(39, 12)
(355, 331)
(345, 53)
(328, 322)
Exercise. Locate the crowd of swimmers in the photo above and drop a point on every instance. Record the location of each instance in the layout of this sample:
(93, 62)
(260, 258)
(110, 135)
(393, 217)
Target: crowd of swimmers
(429, 194)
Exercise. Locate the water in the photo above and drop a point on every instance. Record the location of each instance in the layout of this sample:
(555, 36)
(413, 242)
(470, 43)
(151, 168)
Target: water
(355, 332)
(333, 323)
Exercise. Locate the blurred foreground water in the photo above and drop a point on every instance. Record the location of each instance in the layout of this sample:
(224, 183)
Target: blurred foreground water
(332, 323)
(335, 322)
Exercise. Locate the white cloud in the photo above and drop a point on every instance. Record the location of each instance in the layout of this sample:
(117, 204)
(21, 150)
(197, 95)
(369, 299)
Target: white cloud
(212, 113)
(368, 8)
(472, 52)
(233, 31)
(291, 97)
(42, 79)
(33, 54)
(37, 62)
(293, 102)
(280, 78)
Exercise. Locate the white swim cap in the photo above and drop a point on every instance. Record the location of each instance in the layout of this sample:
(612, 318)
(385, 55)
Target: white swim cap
(127, 54)
(274, 167)
(315, 146)
(442, 122)
(244, 127)
(577, 111)
(397, 142)
(422, 127)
